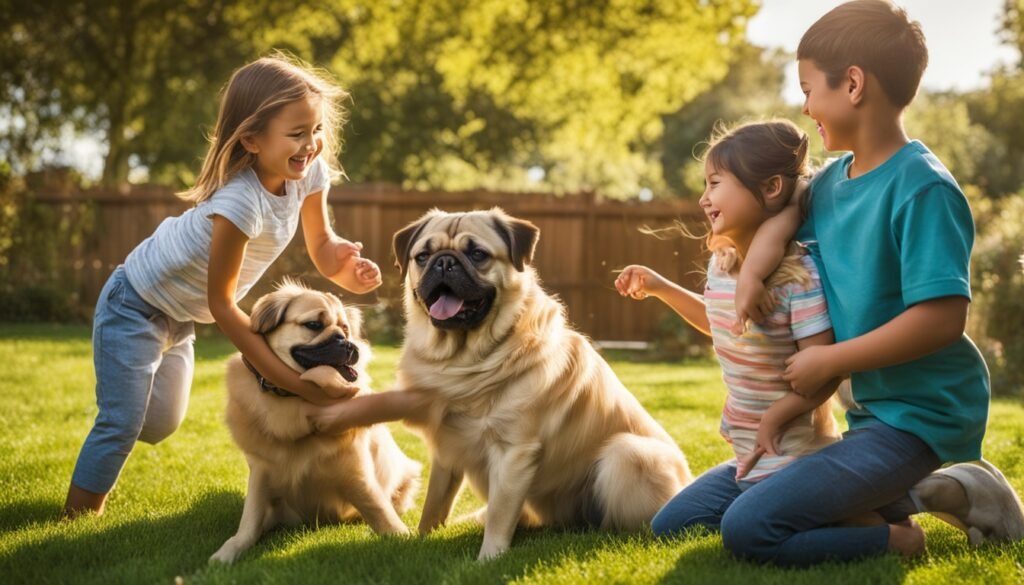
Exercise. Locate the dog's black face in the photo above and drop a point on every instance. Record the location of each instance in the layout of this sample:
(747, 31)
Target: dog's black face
(452, 290)
(456, 265)
(308, 328)
(335, 351)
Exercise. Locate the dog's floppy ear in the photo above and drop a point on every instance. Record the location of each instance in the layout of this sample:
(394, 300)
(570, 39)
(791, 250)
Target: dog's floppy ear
(355, 322)
(403, 241)
(520, 236)
(269, 312)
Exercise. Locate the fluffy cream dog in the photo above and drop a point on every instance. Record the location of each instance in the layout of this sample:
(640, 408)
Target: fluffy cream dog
(524, 407)
(295, 476)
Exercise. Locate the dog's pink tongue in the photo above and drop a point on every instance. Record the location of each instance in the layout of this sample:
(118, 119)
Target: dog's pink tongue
(445, 307)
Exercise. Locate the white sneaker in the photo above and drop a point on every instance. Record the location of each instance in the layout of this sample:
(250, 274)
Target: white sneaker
(976, 498)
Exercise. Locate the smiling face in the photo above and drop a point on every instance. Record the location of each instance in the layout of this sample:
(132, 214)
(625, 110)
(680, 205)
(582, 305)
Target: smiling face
(733, 211)
(830, 107)
(288, 145)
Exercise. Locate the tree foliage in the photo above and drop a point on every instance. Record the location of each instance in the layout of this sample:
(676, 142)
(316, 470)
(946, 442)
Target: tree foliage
(445, 93)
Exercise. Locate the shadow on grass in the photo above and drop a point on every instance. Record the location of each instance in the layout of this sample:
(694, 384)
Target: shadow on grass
(705, 557)
(102, 550)
(21, 514)
(446, 557)
(161, 548)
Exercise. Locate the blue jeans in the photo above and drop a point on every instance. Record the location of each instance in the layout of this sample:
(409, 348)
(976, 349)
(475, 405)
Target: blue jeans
(144, 362)
(788, 518)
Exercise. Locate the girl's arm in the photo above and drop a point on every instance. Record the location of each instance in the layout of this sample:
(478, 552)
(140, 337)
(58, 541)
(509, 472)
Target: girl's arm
(367, 410)
(227, 249)
(787, 408)
(335, 257)
(639, 282)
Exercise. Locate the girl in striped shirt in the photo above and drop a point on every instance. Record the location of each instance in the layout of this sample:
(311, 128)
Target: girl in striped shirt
(751, 173)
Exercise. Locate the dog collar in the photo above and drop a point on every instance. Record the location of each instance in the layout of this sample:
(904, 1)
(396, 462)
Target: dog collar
(265, 384)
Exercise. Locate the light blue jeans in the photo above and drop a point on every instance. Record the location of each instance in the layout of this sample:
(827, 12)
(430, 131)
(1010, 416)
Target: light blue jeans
(144, 362)
(789, 517)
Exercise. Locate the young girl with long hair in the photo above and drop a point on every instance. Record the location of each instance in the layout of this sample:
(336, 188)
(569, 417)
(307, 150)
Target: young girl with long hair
(751, 173)
(270, 162)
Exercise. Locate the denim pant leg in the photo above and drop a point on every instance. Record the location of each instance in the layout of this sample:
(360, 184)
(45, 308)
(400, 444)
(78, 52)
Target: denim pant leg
(171, 385)
(129, 338)
(786, 518)
(702, 503)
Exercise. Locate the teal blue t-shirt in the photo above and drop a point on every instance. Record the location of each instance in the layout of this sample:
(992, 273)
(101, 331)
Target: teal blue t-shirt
(895, 236)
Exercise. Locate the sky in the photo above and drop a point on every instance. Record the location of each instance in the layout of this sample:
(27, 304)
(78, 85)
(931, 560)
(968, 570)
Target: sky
(961, 36)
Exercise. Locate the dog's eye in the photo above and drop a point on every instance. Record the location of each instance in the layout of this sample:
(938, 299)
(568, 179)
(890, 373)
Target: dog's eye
(422, 257)
(479, 255)
(344, 329)
(313, 325)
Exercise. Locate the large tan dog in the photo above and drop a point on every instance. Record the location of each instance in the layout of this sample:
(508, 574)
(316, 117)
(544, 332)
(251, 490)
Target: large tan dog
(524, 407)
(297, 477)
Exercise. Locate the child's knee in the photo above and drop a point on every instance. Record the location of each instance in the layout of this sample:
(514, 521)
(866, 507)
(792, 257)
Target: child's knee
(747, 536)
(159, 428)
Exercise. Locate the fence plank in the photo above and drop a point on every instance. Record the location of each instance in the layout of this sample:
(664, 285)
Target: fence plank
(584, 239)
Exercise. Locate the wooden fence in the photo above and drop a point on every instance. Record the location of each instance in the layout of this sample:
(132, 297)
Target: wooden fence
(584, 239)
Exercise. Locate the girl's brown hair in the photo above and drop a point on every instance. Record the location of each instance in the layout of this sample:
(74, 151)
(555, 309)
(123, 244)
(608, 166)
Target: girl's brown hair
(753, 152)
(757, 151)
(253, 96)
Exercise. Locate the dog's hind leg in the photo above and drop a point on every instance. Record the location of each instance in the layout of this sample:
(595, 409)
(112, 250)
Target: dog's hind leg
(635, 477)
(254, 520)
(442, 487)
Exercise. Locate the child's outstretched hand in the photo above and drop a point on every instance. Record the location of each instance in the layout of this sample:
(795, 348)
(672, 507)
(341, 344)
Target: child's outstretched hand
(355, 273)
(639, 282)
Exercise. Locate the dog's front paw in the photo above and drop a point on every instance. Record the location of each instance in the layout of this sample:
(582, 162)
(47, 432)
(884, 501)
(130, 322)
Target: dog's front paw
(228, 553)
(491, 551)
(331, 381)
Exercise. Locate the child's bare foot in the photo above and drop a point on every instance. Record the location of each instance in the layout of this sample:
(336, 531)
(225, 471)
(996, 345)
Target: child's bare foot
(81, 501)
(906, 538)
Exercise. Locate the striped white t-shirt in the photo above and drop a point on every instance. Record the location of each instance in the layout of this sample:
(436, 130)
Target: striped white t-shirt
(753, 363)
(169, 268)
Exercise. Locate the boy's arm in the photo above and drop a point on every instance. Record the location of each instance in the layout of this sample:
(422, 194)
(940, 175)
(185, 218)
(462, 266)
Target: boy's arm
(765, 255)
(921, 330)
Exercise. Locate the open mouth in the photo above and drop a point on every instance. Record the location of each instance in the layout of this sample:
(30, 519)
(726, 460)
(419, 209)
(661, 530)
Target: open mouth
(298, 163)
(713, 215)
(348, 372)
(449, 310)
(340, 355)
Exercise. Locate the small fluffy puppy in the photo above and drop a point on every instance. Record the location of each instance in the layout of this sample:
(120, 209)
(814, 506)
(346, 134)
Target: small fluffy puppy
(523, 407)
(295, 476)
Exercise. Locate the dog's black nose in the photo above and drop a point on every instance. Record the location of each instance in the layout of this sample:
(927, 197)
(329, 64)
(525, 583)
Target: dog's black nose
(446, 263)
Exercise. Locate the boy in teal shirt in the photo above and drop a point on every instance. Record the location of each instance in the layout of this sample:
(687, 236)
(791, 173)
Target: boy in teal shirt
(892, 233)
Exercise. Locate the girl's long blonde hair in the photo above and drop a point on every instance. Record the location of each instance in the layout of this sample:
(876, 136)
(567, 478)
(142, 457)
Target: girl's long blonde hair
(253, 96)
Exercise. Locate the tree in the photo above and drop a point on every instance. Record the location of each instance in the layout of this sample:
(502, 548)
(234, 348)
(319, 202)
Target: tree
(752, 89)
(141, 72)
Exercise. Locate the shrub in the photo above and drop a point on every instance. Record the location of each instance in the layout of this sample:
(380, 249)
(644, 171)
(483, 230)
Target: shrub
(997, 313)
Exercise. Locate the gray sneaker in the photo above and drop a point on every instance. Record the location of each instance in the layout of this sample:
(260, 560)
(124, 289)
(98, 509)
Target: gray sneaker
(976, 498)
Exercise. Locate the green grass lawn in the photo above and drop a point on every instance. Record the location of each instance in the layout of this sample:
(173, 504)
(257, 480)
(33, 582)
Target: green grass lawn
(177, 502)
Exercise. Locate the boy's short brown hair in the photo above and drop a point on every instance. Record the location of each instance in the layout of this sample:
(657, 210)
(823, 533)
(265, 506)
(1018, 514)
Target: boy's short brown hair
(874, 35)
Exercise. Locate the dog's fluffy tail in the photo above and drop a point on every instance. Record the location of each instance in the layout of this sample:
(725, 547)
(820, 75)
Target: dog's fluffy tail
(634, 478)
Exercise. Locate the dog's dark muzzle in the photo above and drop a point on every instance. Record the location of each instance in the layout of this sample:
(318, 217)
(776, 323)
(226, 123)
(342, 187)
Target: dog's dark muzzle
(454, 295)
(336, 351)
